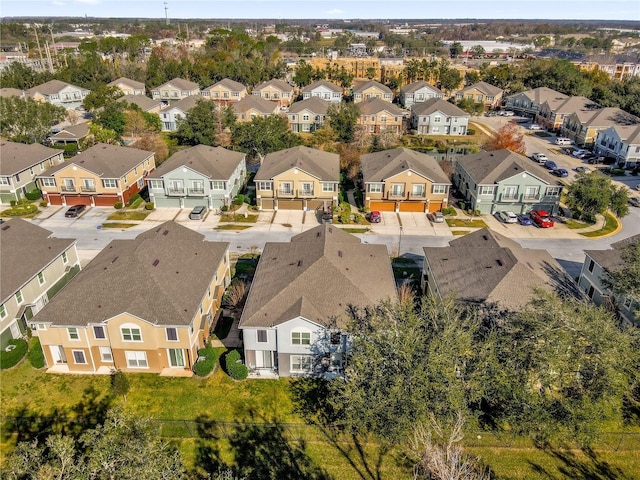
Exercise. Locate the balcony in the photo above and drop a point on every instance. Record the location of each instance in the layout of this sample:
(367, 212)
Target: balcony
(285, 193)
(196, 191)
(68, 188)
(418, 196)
(175, 191)
(531, 198)
(86, 189)
(305, 193)
(396, 195)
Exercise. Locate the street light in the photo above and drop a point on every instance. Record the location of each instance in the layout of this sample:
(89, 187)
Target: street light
(400, 242)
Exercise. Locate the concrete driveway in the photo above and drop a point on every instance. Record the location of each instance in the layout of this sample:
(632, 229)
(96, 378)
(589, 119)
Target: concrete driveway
(515, 230)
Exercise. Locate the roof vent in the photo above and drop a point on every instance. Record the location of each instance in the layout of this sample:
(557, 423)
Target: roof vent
(299, 263)
(318, 234)
(166, 232)
(500, 262)
(156, 262)
(6, 227)
(340, 253)
(114, 260)
(485, 237)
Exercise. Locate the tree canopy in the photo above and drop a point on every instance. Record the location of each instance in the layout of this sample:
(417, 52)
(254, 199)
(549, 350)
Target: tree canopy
(28, 121)
(593, 193)
(202, 125)
(263, 135)
(508, 136)
(342, 119)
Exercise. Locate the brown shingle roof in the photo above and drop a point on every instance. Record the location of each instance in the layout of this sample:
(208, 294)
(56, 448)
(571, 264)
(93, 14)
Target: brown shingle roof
(483, 87)
(217, 163)
(186, 104)
(317, 276)
(230, 84)
(181, 84)
(322, 83)
(371, 84)
(611, 259)
(25, 250)
(323, 165)
(378, 166)
(253, 102)
(74, 132)
(160, 276)
(313, 104)
(376, 105)
(51, 87)
(145, 103)
(16, 157)
(276, 83)
(128, 82)
(415, 86)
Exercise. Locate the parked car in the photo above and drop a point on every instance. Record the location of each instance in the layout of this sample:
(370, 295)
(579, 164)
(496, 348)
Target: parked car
(374, 217)
(327, 216)
(74, 211)
(436, 217)
(198, 213)
(535, 126)
(563, 141)
(551, 165)
(560, 172)
(634, 201)
(582, 169)
(507, 217)
(638, 187)
(579, 153)
(540, 157)
(524, 219)
(541, 218)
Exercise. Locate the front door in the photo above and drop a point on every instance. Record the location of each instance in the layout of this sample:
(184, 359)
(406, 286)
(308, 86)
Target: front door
(57, 353)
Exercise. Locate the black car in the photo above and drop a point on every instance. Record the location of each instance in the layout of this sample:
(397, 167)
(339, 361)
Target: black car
(74, 211)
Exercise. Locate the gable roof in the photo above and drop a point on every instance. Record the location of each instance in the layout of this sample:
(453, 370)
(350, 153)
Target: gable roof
(611, 258)
(420, 84)
(488, 168)
(317, 275)
(216, 163)
(51, 87)
(160, 276)
(313, 104)
(371, 84)
(106, 161)
(606, 117)
(323, 165)
(181, 84)
(25, 249)
(276, 83)
(11, 92)
(437, 104)
(17, 157)
(186, 104)
(378, 166)
(375, 105)
(541, 94)
(322, 83)
(128, 82)
(228, 83)
(484, 266)
(73, 132)
(253, 102)
(629, 134)
(145, 103)
(572, 104)
(483, 87)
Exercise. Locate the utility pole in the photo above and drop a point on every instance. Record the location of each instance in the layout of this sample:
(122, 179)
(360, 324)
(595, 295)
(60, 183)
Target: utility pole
(53, 43)
(39, 49)
(48, 52)
(166, 14)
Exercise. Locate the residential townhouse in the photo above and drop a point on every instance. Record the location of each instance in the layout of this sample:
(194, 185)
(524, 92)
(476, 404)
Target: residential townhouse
(504, 180)
(175, 90)
(323, 89)
(200, 175)
(35, 266)
(294, 319)
(438, 117)
(484, 267)
(582, 126)
(418, 92)
(528, 102)
(171, 115)
(145, 103)
(552, 112)
(100, 176)
(371, 90)
(377, 115)
(20, 165)
(226, 91)
(621, 142)
(298, 178)
(128, 86)
(253, 106)
(596, 266)
(275, 90)
(72, 134)
(144, 305)
(59, 93)
(482, 92)
(403, 180)
(307, 115)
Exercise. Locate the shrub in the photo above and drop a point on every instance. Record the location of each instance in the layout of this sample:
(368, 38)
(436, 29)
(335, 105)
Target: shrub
(235, 369)
(207, 358)
(449, 211)
(149, 206)
(117, 205)
(11, 358)
(35, 354)
(33, 195)
(471, 131)
(133, 199)
(224, 208)
(239, 200)
(44, 204)
(13, 203)
(119, 384)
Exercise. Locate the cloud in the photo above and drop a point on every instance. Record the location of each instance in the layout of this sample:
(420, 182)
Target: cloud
(89, 2)
(335, 11)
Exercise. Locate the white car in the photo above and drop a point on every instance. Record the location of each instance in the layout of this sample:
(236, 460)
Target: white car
(539, 157)
(507, 217)
(535, 126)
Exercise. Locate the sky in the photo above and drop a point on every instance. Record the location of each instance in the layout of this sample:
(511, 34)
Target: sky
(316, 9)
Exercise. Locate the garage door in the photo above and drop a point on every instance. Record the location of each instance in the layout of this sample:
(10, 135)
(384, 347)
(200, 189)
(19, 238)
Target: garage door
(167, 202)
(196, 202)
(55, 199)
(383, 206)
(412, 207)
(435, 206)
(77, 200)
(267, 203)
(315, 204)
(105, 200)
(289, 204)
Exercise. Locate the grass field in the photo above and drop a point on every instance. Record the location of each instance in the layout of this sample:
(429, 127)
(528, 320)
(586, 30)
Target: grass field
(461, 222)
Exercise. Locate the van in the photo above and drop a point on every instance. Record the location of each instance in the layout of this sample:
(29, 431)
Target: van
(563, 141)
(197, 213)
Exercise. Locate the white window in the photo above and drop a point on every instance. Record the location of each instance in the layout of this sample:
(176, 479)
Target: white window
(510, 192)
(301, 363)
(417, 190)
(105, 354)
(4, 181)
(197, 186)
(531, 193)
(627, 302)
(439, 189)
(262, 336)
(156, 184)
(217, 185)
(19, 297)
(136, 359)
(265, 185)
(41, 326)
(553, 191)
(41, 278)
(98, 332)
(307, 188)
(300, 338)
(78, 357)
(45, 182)
(88, 185)
(131, 334)
(172, 334)
(375, 187)
(64, 257)
(485, 190)
(328, 187)
(286, 188)
(69, 185)
(305, 117)
(109, 183)
(176, 357)
(397, 189)
(437, 119)
(73, 333)
(3, 311)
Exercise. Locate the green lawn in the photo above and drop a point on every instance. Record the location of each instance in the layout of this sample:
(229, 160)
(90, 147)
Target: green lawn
(118, 225)
(574, 224)
(230, 226)
(610, 226)
(465, 222)
(128, 215)
(238, 218)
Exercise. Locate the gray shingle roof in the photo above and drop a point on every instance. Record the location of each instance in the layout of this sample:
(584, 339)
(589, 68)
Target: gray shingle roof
(484, 87)
(145, 103)
(181, 84)
(256, 103)
(322, 83)
(186, 104)
(415, 86)
(106, 161)
(323, 165)
(437, 104)
(611, 259)
(488, 168)
(313, 104)
(230, 84)
(572, 104)
(16, 157)
(25, 249)
(73, 132)
(542, 94)
(628, 133)
(606, 117)
(378, 166)
(128, 82)
(160, 276)
(376, 105)
(371, 84)
(276, 83)
(317, 276)
(51, 87)
(217, 163)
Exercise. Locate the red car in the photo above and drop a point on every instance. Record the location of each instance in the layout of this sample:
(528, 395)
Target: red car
(541, 218)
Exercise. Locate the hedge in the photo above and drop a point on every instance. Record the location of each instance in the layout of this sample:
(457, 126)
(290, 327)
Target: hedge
(207, 358)
(235, 369)
(11, 358)
(35, 355)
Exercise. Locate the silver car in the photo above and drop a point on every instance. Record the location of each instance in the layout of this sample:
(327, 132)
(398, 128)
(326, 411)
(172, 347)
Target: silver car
(507, 217)
(436, 217)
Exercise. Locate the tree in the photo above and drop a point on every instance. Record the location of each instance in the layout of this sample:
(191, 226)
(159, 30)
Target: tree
(263, 135)
(591, 194)
(450, 79)
(153, 142)
(201, 125)
(304, 74)
(111, 117)
(342, 120)
(478, 51)
(508, 136)
(455, 49)
(101, 96)
(120, 384)
(28, 121)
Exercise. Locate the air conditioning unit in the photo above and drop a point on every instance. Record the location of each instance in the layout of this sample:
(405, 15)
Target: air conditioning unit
(67, 269)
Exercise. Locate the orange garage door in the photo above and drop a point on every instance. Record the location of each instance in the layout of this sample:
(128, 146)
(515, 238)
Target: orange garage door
(77, 200)
(55, 199)
(382, 206)
(105, 200)
(289, 204)
(435, 206)
(412, 207)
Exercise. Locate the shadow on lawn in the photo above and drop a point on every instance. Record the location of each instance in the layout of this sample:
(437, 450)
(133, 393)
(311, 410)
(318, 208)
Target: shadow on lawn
(571, 466)
(89, 412)
(261, 450)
